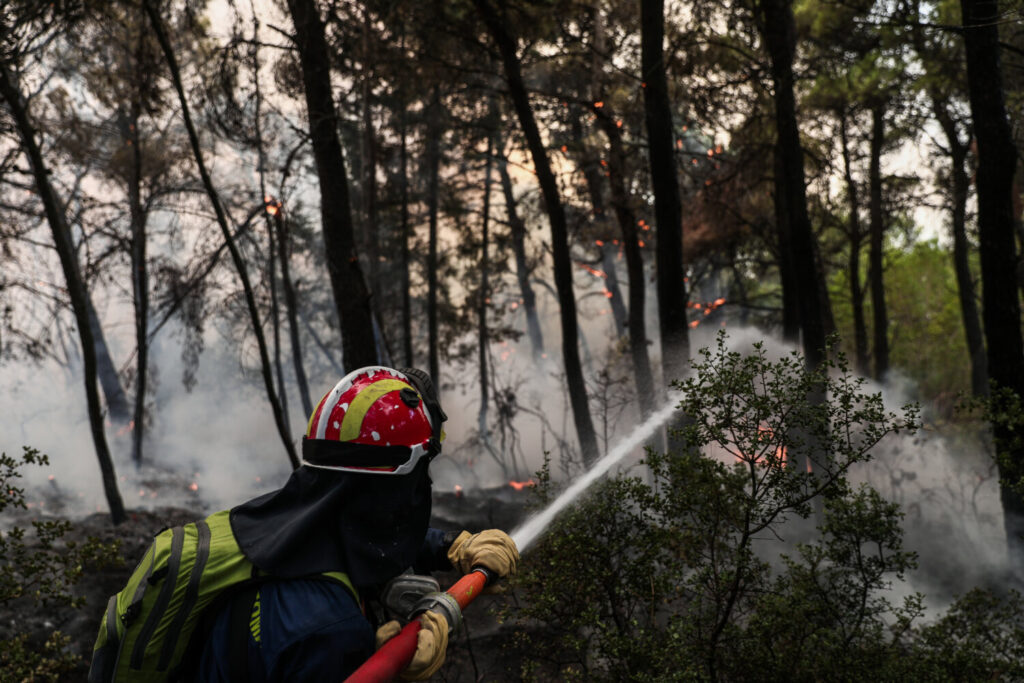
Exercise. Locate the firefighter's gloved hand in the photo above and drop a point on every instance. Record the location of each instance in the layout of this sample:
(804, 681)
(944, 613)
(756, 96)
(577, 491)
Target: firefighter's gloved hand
(492, 549)
(431, 645)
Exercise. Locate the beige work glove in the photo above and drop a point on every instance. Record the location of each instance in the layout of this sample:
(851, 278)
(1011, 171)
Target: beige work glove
(492, 549)
(431, 645)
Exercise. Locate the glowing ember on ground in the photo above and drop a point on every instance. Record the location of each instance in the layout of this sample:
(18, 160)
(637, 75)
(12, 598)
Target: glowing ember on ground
(193, 486)
(520, 485)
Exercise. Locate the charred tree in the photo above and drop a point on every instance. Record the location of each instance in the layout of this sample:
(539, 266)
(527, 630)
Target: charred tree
(222, 221)
(117, 402)
(518, 229)
(634, 261)
(780, 39)
(404, 226)
(484, 297)
(496, 26)
(433, 161)
(11, 95)
(351, 295)
(590, 165)
(668, 211)
(784, 246)
(140, 278)
(997, 160)
(856, 237)
(959, 188)
(880, 318)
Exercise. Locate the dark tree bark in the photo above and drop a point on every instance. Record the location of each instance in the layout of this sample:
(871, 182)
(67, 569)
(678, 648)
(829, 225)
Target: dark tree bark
(856, 237)
(634, 262)
(405, 229)
(485, 266)
(222, 222)
(106, 371)
(997, 160)
(369, 193)
(140, 280)
(11, 95)
(433, 161)
(518, 229)
(880, 318)
(787, 272)
(668, 212)
(559, 230)
(959, 182)
(590, 165)
(780, 39)
(291, 307)
(351, 295)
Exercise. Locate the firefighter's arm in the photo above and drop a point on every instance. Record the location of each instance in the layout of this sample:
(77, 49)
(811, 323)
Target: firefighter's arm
(431, 645)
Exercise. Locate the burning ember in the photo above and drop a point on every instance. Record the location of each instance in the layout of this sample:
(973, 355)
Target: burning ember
(520, 485)
(458, 491)
(193, 486)
(273, 205)
(127, 428)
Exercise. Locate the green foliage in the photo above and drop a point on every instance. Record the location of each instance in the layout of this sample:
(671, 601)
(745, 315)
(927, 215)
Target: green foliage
(711, 570)
(39, 566)
(927, 341)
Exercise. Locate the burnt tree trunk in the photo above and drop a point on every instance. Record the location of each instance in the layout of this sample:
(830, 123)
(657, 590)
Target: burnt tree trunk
(140, 280)
(406, 231)
(433, 160)
(518, 229)
(880, 318)
(959, 187)
(787, 272)
(856, 236)
(351, 295)
(222, 221)
(634, 262)
(997, 159)
(106, 371)
(291, 308)
(668, 211)
(16, 104)
(780, 39)
(559, 231)
(590, 165)
(484, 297)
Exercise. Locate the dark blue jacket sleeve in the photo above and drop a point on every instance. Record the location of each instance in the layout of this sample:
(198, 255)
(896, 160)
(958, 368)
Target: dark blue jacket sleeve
(433, 554)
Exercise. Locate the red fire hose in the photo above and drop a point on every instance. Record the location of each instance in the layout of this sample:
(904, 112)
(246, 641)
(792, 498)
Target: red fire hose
(396, 654)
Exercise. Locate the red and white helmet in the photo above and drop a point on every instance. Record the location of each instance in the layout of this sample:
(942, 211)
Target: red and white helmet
(376, 420)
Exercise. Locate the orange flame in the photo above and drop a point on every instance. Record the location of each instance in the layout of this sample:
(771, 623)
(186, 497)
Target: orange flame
(593, 271)
(193, 486)
(520, 485)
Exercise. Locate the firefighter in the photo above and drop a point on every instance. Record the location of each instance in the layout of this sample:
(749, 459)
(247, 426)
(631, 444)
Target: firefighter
(357, 509)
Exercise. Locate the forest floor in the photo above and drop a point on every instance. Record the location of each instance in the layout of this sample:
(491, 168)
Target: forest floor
(476, 653)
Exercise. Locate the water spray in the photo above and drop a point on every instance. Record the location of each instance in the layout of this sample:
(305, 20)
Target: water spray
(396, 654)
(530, 530)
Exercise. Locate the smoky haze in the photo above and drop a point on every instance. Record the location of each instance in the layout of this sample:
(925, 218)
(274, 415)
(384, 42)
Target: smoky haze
(214, 446)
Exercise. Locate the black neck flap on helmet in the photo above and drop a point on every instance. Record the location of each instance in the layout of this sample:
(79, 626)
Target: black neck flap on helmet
(425, 386)
(370, 527)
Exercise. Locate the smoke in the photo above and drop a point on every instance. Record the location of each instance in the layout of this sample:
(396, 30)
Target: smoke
(217, 445)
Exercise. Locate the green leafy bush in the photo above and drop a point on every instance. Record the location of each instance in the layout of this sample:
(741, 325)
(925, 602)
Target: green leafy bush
(39, 569)
(734, 560)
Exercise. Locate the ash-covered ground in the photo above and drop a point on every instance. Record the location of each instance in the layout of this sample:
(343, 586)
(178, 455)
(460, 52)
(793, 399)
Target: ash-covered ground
(475, 653)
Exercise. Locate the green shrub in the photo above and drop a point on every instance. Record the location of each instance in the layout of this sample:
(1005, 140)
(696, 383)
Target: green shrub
(732, 561)
(39, 569)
